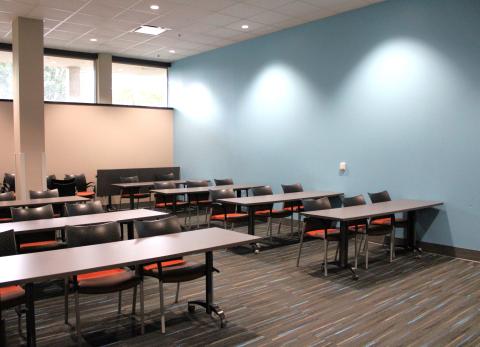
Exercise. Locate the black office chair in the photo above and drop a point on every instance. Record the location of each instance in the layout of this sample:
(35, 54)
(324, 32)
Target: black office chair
(100, 282)
(293, 206)
(5, 216)
(45, 194)
(65, 187)
(266, 212)
(365, 229)
(223, 181)
(9, 182)
(35, 241)
(197, 201)
(174, 270)
(10, 296)
(81, 209)
(49, 180)
(166, 202)
(319, 228)
(225, 213)
(82, 186)
(170, 176)
(135, 192)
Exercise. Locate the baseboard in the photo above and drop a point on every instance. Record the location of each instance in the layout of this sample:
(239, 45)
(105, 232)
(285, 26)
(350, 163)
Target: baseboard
(450, 251)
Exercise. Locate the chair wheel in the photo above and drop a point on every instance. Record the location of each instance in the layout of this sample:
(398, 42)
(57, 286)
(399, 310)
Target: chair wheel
(223, 323)
(191, 309)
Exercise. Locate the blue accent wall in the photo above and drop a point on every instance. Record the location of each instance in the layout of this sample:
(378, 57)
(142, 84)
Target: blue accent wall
(392, 89)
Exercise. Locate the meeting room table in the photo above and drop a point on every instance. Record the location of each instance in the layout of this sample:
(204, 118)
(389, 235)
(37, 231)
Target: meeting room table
(27, 269)
(251, 202)
(41, 202)
(345, 214)
(40, 225)
(238, 188)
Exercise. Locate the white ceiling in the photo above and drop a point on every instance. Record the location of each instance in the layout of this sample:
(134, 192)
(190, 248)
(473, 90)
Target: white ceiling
(197, 25)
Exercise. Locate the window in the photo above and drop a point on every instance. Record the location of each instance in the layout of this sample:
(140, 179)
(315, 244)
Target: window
(69, 79)
(139, 85)
(6, 75)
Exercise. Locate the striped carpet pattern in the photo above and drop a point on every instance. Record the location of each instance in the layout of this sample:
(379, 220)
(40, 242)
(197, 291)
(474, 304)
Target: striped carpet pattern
(428, 301)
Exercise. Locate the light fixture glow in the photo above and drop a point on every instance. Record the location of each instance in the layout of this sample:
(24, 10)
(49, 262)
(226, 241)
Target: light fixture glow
(150, 30)
(172, 51)
(154, 7)
(93, 40)
(245, 26)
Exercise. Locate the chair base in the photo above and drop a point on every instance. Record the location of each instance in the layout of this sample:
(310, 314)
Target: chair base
(349, 266)
(210, 309)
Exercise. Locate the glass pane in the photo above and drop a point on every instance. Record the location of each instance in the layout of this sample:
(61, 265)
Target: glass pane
(69, 79)
(139, 85)
(6, 75)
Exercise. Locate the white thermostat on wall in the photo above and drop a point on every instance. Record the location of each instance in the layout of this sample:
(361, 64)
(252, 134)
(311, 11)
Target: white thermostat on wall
(343, 166)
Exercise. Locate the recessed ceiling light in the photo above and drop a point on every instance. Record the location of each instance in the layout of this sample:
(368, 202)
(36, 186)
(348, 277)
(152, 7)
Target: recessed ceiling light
(245, 26)
(154, 7)
(150, 30)
(172, 51)
(93, 40)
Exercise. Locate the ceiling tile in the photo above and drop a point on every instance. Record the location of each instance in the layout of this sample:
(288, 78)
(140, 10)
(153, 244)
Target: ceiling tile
(297, 8)
(268, 4)
(242, 10)
(269, 17)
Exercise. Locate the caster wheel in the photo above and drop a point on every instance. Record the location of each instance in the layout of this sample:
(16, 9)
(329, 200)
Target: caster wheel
(223, 324)
(191, 309)
(257, 251)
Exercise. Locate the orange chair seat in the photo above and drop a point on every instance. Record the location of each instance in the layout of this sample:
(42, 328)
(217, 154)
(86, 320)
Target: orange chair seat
(11, 292)
(228, 216)
(164, 264)
(99, 274)
(293, 208)
(382, 221)
(360, 227)
(136, 195)
(5, 220)
(165, 204)
(38, 244)
(200, 202)
(266, 212)
(86, 194)
(320, 233)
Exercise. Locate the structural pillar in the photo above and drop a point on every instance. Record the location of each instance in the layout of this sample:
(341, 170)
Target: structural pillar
(104, 78)
(28, 106)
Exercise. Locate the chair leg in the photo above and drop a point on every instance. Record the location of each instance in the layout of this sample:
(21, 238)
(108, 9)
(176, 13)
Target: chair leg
(65, 290)
(198, 217)
(233, 226)
(206, 215)
(134, 301)
(325, 258)
(337, 250)
(299, 223)
(162, 307)
(225, 224)
(177, 293)
(366, 251)
(119, 310)
(279, 228)
(19, 320)
(77, 316)
(300, 249)
(291, 225)
(142, 308)
(356, 251)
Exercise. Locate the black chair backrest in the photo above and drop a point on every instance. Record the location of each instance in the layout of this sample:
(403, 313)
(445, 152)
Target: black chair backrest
(197, 196)
(43, 194)
(9, 182)
(8, 245)
(259, 191)
(355, 201)
(315, 205)
(164, 198)
(20, 214)
(89, 207)
(223, 181)
(165, 177)
(50, 178)
(292, 188)
(7, 196)
(80, 181)
(87, 235)
(65, 187)
(164, 185)
(216, 194)
(130, 179)
(158, 227)
(379, 197)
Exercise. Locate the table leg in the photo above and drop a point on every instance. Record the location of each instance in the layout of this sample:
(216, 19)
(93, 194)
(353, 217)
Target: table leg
(3, 334)
(343, 253)
(411, 237)
(130, 233)
(109, 205)
(132, 202)
(29, 293)
(251, 227)
(208, 304)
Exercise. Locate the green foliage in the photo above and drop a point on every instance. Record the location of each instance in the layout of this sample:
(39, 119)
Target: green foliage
(6, 78)
(55, 82)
